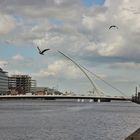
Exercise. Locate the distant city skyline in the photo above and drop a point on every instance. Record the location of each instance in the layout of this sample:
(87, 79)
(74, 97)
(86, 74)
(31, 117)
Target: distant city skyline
(81, 30)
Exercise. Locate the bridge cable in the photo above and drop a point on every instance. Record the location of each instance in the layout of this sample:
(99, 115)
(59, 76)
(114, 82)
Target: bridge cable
(103, 80)
(81, 70)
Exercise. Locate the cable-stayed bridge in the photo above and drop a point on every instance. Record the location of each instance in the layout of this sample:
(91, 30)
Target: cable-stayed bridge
(96, 92)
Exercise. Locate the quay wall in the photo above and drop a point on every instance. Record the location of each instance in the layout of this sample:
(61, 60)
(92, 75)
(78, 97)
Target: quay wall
(134, 136)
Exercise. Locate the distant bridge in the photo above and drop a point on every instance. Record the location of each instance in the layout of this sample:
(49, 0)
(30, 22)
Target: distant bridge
(97, 93)
(55, 97)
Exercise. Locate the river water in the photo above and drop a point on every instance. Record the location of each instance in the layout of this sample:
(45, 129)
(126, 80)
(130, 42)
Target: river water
(67, 120)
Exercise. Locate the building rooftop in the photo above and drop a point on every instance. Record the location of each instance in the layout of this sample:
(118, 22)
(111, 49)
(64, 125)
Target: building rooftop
(21, 76)
(1, 70)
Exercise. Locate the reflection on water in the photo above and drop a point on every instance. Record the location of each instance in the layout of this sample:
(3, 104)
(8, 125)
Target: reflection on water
(63, 120)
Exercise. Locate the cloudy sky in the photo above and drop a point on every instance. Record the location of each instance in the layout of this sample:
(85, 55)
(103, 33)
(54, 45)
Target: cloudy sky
(80, 29)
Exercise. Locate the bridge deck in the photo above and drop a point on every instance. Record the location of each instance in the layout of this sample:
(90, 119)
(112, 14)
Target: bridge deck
(61, 97)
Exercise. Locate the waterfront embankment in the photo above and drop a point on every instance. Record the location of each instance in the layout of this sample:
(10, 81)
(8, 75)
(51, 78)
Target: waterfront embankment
(134, 136)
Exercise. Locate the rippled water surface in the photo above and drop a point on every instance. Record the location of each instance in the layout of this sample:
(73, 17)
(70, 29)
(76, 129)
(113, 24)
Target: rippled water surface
(67, 120)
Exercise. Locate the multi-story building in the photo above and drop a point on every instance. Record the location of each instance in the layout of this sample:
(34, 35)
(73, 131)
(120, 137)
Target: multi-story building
(3, 82)
(22, 84)
(33, 86)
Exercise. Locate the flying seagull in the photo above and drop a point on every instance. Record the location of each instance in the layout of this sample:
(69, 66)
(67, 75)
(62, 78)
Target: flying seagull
(113, 26)
(42, 52)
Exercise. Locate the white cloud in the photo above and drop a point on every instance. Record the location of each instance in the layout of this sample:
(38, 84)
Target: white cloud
(60, 68)
(9, 41)
(82, 23)
(126, 65)
(16, 72)
(48, 40)
(91, 22)
(3, 63)
(112, 48)
(18, 57)
(58, 1)
(77, 30)
(7, 24)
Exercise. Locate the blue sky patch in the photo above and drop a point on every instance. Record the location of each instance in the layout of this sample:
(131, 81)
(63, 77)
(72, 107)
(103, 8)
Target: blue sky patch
(92, 2)
(55, 21)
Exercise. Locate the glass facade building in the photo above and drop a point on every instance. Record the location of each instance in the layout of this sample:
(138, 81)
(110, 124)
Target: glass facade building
(3, 82)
